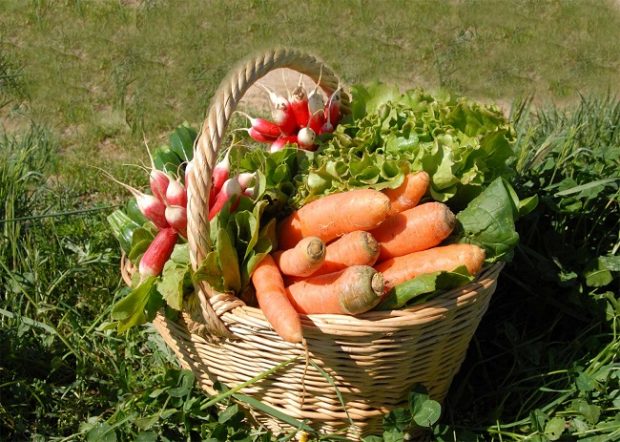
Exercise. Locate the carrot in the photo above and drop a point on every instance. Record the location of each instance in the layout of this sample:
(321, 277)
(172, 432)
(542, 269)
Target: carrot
(353, 290)
(334, 215)
(409, 193)
(272, 300)
(445, 258)
(413, 230)
(355, 248)
(303, 259)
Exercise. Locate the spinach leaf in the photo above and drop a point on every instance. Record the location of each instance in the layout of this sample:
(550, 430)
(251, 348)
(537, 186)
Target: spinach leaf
(489, 222)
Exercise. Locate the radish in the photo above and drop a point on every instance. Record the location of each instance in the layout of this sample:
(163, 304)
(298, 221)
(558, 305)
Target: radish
(150, 206)
(332, 110)
(299, 104)
(277, 101)
(262, 126)
(285, 119)
(259, 136)
(282, 141)
(177, 218)
(282, 112)
(316, 102)
(158, 252)
(220, 174)
(306, 137)
(230, 189)
(315, 98)
(158, 180)
(245, 179)
(176, 194)
(249, 192)
(316, 122)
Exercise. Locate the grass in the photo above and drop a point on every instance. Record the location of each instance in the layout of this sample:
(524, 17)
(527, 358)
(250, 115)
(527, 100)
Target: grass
(81, 83)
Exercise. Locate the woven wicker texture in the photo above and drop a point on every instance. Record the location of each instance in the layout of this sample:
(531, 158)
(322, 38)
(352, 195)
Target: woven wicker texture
(373, 359)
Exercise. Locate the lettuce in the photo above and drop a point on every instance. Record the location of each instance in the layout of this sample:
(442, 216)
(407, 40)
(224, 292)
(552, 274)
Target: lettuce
(462, 144)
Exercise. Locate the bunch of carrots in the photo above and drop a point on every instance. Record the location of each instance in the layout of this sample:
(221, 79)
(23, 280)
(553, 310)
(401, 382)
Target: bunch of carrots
(341, 254)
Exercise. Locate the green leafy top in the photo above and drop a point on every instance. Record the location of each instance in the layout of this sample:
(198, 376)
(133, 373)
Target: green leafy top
(462, 144)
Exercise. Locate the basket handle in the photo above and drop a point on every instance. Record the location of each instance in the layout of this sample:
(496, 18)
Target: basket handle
(229, 93)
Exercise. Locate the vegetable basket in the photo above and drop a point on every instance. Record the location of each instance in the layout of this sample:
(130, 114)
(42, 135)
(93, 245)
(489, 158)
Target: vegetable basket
(351, 370)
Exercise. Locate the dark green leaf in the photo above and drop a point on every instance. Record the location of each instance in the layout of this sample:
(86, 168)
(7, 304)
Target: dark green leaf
(415, 289)
(122, 227)
(130, 310)
(228, 413)
(165, 159)
(488, 221)
(184, 386)
(397, 419)
(182, 142)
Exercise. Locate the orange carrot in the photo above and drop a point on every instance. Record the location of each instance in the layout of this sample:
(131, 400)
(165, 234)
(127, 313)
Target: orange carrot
(413, 230)
(445, 258)
(334, 215)
(303, 259)
(272, 300)
(409, 193)
(355, 248)
(353, 290)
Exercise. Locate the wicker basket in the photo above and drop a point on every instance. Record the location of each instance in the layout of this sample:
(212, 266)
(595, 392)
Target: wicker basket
(374, 359)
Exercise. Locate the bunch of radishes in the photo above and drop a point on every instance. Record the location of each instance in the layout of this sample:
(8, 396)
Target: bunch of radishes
(298, 119)
(166, 207)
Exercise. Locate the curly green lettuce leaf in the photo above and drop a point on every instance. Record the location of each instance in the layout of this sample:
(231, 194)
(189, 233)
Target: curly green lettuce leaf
(462, 144)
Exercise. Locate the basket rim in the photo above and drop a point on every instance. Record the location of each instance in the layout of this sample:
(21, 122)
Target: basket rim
(424, 312)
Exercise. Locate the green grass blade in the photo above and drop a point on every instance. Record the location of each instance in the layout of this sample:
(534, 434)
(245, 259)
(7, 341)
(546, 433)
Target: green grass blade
(251, 381)
(331, 382)
(261, 406)
(586, 186)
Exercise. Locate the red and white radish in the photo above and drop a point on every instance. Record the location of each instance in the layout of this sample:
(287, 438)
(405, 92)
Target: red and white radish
(332, 110)
(299, 104)
(230, 190)
(277, 101)
(282, 141)
(249, 192)
(306, 137)
(259, 136)
(316, 122)
(285, 119)
(176, 195)
(159, 182)
(158, 252)
(262, 126)
(177, 218)
(246, 179)
(221, 172)
(150, 206)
